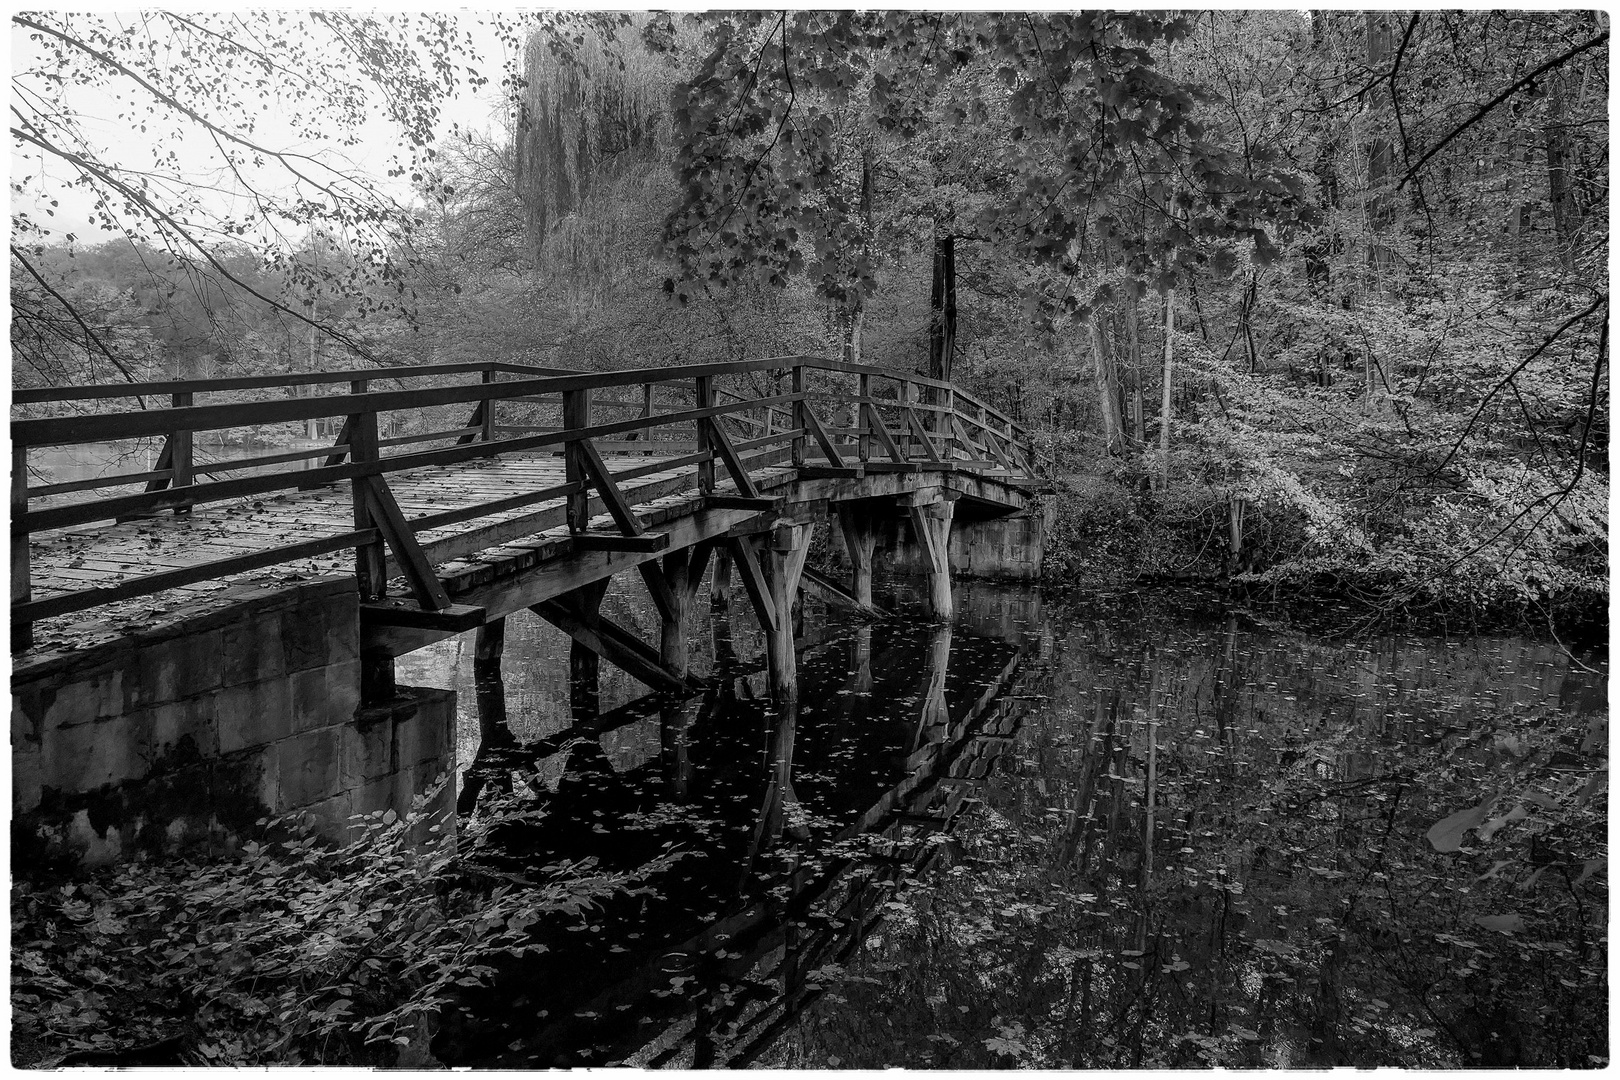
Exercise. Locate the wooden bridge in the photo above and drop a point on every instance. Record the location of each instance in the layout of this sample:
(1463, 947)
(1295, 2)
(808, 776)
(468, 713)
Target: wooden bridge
(454, 495)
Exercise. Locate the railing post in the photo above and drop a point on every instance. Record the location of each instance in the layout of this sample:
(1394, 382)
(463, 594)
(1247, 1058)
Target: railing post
(646, 409)
(488, 434)
(181, 456)
(800, 407)
(576, 414)
(705, 399)
(370, 560)
(22, 633)
(947, 423)
(862, 423)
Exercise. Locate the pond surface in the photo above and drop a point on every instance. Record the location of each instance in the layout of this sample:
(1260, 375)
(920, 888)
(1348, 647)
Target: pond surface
(1056, 834)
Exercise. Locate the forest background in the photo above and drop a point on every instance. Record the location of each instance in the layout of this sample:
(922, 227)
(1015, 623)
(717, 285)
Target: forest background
(1314, 301)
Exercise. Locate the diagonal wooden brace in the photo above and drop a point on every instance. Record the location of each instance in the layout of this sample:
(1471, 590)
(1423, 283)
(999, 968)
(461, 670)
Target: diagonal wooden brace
(413, 561)
(880, 431)
(734, 465)
(820, 435)
(753, 579)
(619, 509)
(613, 643)
(921, 432)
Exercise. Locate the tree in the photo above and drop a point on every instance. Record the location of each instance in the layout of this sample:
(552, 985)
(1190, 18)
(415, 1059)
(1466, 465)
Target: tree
(195, 163)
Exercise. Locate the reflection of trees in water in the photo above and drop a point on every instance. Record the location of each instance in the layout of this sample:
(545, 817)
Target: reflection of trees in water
(1278, 902)
(797, 837)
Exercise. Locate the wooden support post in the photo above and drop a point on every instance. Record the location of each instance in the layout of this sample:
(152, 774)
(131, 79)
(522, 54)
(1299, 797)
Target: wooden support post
(801, 409)
(788, 547)
(720, 581)
(576, 414)
(488, 405)
(934, 716)
(182, 453)
(675, 722)
(932, 524)
(705, 442)
(647, 409)
(22, 633)
(488, 647)
(683, 572)
(860, 538)
(584, 666)
(370, 560)
(863, 419)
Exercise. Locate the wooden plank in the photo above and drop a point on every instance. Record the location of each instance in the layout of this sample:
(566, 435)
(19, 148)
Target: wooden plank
(204, 571)
(248, 382)
(743, 502)
(154, 480)
(65, 430)
(456, 618)
(647, 541)
(101, 510)
(462, 435)
(831, 472)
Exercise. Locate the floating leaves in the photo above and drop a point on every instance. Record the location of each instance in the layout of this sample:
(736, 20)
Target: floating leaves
(1447, 834)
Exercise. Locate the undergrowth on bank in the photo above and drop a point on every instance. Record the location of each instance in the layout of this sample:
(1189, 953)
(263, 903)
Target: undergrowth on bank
(296, 952)
(1114, 529)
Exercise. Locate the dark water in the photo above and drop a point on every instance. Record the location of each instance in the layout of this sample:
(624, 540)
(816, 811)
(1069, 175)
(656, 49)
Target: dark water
(1052, 835)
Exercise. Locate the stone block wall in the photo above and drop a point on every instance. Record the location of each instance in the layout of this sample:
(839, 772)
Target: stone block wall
(181, 737)
(1007, 548)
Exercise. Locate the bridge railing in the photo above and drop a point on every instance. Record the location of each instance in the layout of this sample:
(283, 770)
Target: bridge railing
(814, 413)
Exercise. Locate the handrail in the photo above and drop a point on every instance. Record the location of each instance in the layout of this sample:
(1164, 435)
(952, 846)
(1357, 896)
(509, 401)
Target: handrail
(918, 433)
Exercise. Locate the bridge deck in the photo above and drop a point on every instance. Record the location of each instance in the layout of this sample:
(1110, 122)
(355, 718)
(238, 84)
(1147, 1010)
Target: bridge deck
(463, 554)
(106, 554)
(508, 492)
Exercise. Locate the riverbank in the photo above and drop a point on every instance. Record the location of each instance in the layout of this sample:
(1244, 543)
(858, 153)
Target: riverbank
(1112, 533)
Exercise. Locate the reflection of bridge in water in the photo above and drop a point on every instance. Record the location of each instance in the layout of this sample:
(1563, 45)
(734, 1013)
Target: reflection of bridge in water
(787, 828)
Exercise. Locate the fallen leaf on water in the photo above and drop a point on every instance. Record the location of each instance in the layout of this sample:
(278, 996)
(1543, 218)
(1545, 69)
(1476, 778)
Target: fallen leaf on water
(1506, 924)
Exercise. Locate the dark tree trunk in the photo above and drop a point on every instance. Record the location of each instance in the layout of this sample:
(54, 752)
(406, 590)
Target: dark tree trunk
(1566, 211)
(942, 310)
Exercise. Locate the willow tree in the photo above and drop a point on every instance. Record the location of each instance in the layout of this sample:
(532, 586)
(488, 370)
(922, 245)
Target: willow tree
(590, 128)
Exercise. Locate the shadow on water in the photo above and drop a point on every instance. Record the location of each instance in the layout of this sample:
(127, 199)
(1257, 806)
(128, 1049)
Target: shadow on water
(1054, 837)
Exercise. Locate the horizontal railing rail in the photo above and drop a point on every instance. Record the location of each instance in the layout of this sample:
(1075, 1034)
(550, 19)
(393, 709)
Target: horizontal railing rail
(832, 415)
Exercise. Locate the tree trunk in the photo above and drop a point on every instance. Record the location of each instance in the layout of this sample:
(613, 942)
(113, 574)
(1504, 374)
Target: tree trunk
(1234, 555)
(1138, 421)
(1379, 156)
(1164, 403)
(942, 310)
(1113, 430)
(1566, 213)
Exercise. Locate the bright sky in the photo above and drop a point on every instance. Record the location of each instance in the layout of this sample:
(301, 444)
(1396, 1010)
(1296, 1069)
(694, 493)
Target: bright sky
(198, 161)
